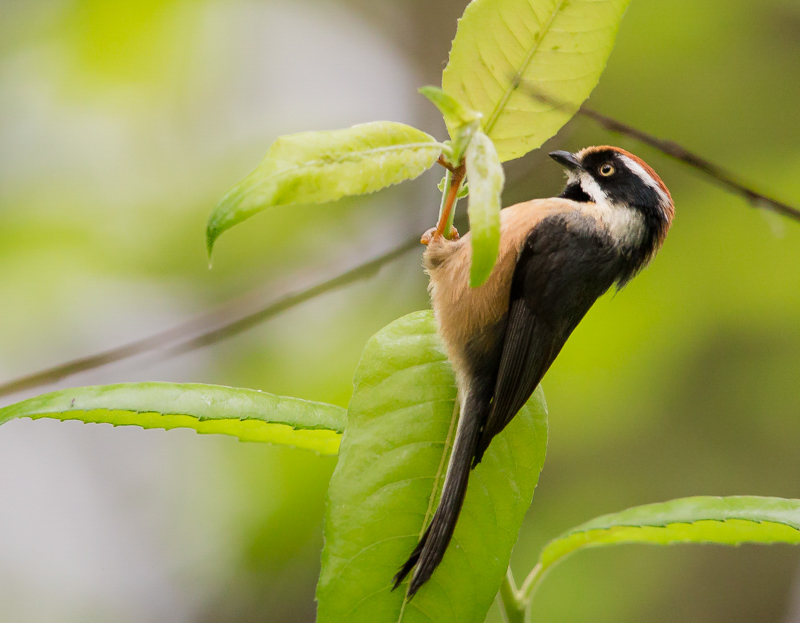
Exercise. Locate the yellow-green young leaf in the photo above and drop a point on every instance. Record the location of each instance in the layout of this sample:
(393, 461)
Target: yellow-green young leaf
(316, 167)
(726, 521)
(453, 112)
(248, 414)
(505, 51)
(486, 179)
(388, 478)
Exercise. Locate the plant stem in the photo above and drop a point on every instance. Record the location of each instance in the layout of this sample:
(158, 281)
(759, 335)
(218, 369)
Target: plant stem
(530, 584)
(513, 606)
(452, 183)
(443, 161)
(448, 179)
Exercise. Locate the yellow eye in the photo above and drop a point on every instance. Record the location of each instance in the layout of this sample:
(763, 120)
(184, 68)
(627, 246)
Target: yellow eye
(607, 169)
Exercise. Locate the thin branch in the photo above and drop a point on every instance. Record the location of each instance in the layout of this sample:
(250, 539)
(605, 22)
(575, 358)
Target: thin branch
(445, 225)
(363, 271)
(443, 161)
(672, 149)
(185, 337)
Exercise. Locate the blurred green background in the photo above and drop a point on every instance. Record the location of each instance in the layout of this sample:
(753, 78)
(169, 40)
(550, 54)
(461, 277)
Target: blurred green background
(122, 123)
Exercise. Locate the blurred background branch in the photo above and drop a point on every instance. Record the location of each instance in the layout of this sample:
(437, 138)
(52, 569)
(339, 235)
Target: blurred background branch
(220, 324)
(232, 318)
(715, 172)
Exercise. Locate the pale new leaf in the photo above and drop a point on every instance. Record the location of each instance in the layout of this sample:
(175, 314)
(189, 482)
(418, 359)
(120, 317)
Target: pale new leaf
(317, 167)
(486, 179)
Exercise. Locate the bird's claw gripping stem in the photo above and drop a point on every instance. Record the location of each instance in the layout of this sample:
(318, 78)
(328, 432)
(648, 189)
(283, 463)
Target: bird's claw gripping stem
(431, 234)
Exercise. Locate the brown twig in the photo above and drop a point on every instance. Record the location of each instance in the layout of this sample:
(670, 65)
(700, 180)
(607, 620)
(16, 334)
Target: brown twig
(672, 149)
(443, 161)
(452, 195)
(196, 333)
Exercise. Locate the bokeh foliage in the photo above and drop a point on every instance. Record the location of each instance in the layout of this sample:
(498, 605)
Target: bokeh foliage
(119, 136)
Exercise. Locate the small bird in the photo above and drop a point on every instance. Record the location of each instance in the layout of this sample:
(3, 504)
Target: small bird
(557, 256)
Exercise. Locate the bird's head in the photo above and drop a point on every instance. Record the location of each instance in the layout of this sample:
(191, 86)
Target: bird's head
(625, 189)
(612, 175)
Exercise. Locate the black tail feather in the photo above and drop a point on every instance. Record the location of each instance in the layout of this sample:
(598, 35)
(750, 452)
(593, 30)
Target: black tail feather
(431, 547)
(408, 565)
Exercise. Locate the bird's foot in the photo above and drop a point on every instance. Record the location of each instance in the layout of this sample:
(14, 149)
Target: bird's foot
(432, 233)
(428, 236)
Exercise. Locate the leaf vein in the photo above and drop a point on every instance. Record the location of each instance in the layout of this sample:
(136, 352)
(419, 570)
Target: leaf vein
(498, 109)
(330, 162)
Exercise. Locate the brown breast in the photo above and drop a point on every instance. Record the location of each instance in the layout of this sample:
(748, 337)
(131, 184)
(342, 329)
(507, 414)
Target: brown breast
(462, 312)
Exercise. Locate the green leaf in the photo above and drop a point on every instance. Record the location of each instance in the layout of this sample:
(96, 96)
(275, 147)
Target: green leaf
(388, 478)
(453, 112)
(726, 521)
(316, 167)
(486, 179)
(462, 123)
(248, 414)
(527, 65)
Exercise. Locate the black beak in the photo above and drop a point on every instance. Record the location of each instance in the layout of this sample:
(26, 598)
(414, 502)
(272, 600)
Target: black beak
(566, 159)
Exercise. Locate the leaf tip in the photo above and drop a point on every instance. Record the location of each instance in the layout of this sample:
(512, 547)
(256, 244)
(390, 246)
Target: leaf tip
(478, 275)
(211, 238)
(452, 110)
(219, 222)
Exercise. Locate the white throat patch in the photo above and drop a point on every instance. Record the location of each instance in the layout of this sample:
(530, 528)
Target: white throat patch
(624, 224)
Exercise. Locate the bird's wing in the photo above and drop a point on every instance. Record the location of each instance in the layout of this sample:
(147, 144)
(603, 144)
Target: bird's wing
(527, 354)
(562, 270)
